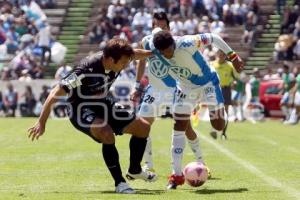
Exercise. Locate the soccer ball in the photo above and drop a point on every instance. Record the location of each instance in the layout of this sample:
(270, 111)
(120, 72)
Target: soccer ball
(195, 174)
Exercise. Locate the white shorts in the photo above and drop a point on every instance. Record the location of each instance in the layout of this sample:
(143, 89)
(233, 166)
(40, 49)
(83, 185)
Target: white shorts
(186, 99)
(297, 99)
(156, 101)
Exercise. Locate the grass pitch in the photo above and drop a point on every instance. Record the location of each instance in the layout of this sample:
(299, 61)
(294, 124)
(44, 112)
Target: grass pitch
(260, 162)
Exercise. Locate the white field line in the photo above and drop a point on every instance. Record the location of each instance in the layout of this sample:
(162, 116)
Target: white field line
(253, 169)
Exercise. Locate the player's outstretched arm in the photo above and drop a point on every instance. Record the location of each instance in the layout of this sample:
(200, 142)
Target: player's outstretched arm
(218, 42)
(141, 54)
(39, 128)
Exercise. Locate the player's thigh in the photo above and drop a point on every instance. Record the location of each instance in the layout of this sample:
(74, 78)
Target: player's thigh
(102, 131)
(86, 119)
(155, 102)
(185, 100)
(138, 127)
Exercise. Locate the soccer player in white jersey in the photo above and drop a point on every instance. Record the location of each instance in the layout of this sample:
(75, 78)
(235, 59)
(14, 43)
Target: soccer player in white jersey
(158, 96)
(196, 81)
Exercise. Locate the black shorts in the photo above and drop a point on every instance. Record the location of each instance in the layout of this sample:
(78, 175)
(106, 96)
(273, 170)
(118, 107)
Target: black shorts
(226, 91)
(116, 116)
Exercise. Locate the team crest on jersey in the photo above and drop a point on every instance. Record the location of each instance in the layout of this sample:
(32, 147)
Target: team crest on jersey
(158, 69)
(182, 72)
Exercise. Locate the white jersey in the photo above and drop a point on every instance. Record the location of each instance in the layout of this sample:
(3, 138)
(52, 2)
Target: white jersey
(157, 71)
(188, 65)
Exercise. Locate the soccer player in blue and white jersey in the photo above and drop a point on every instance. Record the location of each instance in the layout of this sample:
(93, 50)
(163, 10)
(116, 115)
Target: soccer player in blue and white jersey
(158, 96)
(195, 81)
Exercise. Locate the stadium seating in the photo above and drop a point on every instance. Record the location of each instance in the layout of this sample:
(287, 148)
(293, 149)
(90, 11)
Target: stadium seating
(72, 29)
(262, 53)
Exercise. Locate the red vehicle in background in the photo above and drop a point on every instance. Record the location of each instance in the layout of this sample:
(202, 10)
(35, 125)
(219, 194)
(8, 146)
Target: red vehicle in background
(270, 94)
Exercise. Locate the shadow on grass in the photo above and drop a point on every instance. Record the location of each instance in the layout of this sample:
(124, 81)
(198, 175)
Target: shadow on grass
(138, 191)
(214, 179)
(215, 191)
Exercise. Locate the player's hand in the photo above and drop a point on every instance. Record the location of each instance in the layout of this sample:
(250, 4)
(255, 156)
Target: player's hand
(238, 64)
(135, 96)
(36, 131)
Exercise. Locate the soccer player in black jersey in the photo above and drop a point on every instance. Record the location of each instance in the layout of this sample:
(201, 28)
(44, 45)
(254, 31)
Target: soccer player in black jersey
(92, 112)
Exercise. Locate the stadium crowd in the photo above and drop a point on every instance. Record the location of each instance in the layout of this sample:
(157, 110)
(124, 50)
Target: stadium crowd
(25, 36)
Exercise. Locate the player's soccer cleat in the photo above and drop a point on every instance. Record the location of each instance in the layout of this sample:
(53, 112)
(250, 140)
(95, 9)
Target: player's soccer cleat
(174, 181)
(214, 134)
(144, 175)
(224, 136)
(146, 168)
(124, 188)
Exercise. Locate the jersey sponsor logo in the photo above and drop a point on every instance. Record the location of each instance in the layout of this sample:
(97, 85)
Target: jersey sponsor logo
(158, 69)
(182, 72)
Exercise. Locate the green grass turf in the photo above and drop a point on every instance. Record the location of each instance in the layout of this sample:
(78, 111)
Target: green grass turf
(65, 164)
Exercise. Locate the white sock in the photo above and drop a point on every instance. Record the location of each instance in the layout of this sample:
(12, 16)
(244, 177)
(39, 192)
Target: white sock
(285, 111)
(195, 147)
(234, 108)
(293, 117)
(148, 154)
(178, 144)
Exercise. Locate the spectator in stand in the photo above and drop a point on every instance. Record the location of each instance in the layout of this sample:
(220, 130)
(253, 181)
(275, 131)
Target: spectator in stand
(250, 28)
(142, 18)
(10, 101)
(174, 8)
(284, 48)
(239, 11)
(44, 94)
(44, 37)
(289, 19)
(176, 26)
(186, 8)
(204, 25)
(218, 27)
(12, 40)
(138, 34)
(25, 76)
(190, 25)
(227, 14)
(27, 107)
(150, 4)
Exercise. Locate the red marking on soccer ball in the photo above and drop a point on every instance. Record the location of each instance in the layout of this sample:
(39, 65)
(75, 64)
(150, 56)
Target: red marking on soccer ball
(195, 174)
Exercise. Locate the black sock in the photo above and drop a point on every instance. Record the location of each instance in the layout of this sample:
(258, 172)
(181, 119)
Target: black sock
(111, 158)
(137, 147)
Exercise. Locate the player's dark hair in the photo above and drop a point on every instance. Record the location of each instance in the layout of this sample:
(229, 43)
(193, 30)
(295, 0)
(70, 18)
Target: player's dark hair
(163, 40)
(116, 48)
(160, 16)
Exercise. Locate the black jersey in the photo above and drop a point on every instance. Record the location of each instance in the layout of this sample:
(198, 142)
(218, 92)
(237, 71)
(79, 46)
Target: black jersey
(88, 81)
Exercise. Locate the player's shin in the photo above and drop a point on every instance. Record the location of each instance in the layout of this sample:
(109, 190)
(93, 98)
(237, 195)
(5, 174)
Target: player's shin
(111, 158)
(178, 145)
(148, 154)
(137, 148)
(195, 147)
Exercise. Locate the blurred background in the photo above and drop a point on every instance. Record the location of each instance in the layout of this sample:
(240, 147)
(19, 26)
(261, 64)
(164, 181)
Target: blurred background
(41, 40)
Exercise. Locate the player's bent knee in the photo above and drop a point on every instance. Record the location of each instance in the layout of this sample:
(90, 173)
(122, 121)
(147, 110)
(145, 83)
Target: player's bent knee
(144, 128)
(181, 125)
(103, 134)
